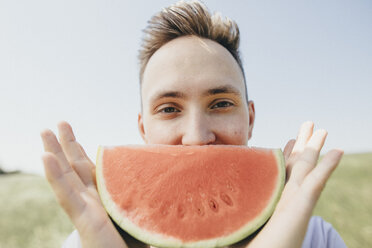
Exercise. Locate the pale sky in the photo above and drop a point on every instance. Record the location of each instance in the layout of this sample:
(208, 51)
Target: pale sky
(76, 60)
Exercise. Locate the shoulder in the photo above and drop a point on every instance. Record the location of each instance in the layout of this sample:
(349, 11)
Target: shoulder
(321, 234)
(72, 241)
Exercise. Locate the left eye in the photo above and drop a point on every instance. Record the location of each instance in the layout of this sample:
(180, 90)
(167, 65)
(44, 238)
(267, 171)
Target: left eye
(223, 104)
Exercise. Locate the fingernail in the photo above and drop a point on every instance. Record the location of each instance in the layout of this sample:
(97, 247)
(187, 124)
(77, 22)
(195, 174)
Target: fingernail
(339, 152)
(323, 131)
(308, 123)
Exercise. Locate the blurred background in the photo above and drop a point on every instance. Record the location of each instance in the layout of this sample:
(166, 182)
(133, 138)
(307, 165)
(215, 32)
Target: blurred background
(77, 61)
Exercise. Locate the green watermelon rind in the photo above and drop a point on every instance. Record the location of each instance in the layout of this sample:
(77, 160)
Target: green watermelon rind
(170, 242)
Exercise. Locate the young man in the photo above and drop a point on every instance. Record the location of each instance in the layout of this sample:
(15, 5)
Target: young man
(193, 92)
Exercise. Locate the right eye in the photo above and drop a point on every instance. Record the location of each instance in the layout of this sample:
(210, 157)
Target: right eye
(169, 110)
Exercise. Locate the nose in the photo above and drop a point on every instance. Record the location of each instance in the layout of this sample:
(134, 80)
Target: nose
(198, 130)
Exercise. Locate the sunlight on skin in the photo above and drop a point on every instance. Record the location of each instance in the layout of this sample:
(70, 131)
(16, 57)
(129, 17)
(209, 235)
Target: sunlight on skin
(192, 117)
(202, 101)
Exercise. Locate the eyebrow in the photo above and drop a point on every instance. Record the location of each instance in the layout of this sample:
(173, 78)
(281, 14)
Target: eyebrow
(226, 89)
(171, 94)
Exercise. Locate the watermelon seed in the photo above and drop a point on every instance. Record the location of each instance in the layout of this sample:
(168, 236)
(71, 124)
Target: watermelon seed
(164, 210)
(229, 186)
(201, 193)
(181, 211)
(154, 204)
(213, 205)
(188, 197)
(126, 204)
(226, 199)
(200, 210)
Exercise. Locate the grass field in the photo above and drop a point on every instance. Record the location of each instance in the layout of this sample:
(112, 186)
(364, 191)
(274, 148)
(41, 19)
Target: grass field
(30, 216)
(346, 201)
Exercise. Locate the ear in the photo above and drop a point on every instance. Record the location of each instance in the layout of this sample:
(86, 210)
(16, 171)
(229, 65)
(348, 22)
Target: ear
(252, 114)
(141, 128)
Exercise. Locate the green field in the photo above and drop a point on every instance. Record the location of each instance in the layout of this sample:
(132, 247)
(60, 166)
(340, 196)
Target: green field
(346, 201)
(30, 216)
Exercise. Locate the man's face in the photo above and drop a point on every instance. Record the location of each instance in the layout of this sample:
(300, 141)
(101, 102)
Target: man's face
(193, 94)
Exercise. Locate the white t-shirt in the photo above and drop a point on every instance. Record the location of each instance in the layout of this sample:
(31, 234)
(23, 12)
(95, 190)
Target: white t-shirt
(320, 234)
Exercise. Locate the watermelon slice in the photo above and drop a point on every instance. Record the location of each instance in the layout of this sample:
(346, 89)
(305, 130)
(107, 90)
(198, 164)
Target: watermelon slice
(189, 196)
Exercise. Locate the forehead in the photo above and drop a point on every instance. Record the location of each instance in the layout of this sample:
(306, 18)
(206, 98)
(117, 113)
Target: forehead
(193, 65)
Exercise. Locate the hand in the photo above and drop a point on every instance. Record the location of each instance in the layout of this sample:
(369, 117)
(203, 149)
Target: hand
(72, 176)
(304, 183)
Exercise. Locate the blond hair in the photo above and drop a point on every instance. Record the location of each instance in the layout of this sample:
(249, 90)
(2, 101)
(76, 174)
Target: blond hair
(188, 18)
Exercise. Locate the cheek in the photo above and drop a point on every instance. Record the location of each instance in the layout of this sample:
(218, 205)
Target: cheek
(233, 132)
(156, 133)
(236, 133)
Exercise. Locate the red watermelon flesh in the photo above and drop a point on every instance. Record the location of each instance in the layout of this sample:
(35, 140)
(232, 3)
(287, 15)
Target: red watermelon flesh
(189, 196)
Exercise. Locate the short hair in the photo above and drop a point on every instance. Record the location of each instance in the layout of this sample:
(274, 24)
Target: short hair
(184, 19)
